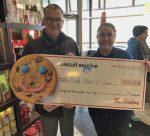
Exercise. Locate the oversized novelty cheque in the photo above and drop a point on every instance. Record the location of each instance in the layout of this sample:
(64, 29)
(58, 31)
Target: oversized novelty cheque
(81, 81)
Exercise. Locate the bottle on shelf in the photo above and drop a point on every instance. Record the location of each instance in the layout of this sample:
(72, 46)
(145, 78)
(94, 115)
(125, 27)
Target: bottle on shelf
(24, 111)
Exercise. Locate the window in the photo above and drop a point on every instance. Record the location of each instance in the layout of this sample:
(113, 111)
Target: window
(61, 3)
(118, 3)
(66, 28)
(97, 4)
(85, 4)
(141, 2)
(45, 3)
(73, 4)
(124, 20)
(85, 29)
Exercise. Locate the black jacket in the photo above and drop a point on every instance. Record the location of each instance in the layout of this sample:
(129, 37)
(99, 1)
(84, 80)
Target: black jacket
(45, 45)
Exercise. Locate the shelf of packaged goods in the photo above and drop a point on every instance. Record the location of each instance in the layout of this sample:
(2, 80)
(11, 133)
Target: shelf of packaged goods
(7, 104)
(24, 26)
(34, 117)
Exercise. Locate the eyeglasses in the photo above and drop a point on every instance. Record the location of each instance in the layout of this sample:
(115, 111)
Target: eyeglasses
(105, 34)
(52, 20)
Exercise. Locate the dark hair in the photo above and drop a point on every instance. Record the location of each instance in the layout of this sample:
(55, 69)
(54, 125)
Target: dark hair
(138, 30)
(53, 6)
(107, 24)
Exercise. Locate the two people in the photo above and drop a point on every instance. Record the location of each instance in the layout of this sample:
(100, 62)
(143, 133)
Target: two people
(107, 122)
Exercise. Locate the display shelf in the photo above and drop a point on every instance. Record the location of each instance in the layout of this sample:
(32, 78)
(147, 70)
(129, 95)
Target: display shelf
(2, 10)
(7, 59)
(7, 104)
(5, 66)
(34, 117)
(24, 26)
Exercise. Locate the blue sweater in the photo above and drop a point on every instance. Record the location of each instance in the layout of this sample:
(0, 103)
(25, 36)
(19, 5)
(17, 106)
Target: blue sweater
(134, 49)
(115, 53)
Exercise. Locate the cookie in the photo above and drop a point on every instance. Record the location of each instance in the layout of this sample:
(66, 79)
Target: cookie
(33, 78)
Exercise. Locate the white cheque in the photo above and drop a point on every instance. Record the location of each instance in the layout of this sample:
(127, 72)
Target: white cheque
(99, 82)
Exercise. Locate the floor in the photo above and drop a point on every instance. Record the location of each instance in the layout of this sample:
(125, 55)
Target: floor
(76, 132)
(84, 125)
(144, 115)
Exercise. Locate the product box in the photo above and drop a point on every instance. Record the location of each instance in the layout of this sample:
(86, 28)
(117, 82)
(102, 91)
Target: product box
(26, 16)
(31, 17)
(21, 15)
(4, 86)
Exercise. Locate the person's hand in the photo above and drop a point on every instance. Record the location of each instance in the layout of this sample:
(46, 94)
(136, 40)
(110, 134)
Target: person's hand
(68, 106)
(70, 54)
(49, 107)
(147, 62)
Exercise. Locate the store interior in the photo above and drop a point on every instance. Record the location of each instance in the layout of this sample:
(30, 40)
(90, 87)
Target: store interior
(21, 21)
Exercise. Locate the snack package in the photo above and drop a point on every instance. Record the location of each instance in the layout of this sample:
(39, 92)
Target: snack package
(4, 88)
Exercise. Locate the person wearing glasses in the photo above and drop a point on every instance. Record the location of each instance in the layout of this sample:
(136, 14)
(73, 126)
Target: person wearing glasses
(54, 41)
